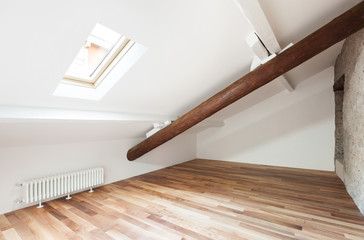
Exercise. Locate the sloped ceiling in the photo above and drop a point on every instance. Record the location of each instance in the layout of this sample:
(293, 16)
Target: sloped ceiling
(293, 20)
(195, 48)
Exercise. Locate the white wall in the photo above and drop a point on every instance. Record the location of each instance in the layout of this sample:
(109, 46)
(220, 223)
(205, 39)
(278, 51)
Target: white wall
(26, 162)
(289, 129)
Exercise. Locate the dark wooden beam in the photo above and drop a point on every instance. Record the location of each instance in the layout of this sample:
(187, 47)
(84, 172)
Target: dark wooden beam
(333, 32)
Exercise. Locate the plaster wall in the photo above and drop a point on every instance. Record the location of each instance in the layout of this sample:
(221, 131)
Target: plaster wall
(289, 129)
(20, 163)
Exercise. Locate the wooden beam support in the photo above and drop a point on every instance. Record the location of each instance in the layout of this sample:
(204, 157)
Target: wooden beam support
(254, 14)
(333, 32)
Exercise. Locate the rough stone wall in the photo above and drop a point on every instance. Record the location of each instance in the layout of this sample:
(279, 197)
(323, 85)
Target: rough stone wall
(350, 63)
(339, 131)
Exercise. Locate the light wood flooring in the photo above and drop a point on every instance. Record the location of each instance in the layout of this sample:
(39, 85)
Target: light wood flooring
(199, 199)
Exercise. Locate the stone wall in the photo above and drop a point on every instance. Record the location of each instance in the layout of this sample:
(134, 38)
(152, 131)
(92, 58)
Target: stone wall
(350, 64)
(339, 131)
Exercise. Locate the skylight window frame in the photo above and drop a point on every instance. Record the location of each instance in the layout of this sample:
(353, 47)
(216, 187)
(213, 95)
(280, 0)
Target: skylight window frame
(120, 48)
(125, 57)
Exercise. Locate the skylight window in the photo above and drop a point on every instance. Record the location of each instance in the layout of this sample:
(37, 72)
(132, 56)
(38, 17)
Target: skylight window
(101, 62)
(94, 59)
(93, 52)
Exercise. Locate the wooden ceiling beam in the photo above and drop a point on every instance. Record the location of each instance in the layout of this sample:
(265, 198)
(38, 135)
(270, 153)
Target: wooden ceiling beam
(333, 32)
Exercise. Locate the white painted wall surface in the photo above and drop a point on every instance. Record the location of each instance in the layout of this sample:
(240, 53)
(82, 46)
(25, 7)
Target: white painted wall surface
(289, 129)
(26, 162)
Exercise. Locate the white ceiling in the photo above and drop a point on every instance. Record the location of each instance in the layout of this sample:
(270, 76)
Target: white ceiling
(195, 48)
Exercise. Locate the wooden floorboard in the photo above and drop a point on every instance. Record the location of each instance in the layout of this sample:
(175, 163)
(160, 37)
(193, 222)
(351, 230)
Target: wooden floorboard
(199, 199)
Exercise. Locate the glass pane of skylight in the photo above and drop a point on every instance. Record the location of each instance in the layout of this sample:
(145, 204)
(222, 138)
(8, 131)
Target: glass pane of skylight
(94, 51)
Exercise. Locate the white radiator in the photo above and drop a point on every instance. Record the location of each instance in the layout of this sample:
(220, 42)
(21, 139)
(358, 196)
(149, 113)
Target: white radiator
(41, 189)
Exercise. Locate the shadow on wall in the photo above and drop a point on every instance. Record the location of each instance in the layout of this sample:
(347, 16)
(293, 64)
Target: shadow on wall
(296, 117)
(168, 153)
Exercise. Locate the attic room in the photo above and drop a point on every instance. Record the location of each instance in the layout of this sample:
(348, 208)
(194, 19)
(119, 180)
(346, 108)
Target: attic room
(234, 119)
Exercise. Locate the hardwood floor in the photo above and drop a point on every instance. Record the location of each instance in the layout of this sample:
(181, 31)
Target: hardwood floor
(199, 199)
